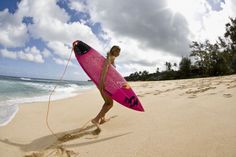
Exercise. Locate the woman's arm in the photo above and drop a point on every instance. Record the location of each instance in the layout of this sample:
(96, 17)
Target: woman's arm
(103, 74)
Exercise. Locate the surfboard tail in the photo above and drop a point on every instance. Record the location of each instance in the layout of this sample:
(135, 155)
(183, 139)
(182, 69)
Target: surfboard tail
(128, 99)
(140, 108)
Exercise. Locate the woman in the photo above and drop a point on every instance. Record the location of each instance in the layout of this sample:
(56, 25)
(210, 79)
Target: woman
(111, 55)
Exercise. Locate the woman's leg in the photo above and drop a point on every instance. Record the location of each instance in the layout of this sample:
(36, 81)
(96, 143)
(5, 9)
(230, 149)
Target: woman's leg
(106, 107)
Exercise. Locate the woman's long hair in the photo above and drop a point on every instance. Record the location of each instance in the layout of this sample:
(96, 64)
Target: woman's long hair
(111, 52)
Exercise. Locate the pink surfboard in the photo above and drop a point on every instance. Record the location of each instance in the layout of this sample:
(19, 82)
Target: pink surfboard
(115, 85)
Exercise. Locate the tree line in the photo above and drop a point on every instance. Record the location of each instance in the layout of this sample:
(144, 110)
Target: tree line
(205, 59)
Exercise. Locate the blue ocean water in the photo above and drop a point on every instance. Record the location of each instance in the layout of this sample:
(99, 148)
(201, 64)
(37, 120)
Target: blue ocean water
(18, 90)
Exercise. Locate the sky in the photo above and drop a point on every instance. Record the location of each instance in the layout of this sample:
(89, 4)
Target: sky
(36, 36)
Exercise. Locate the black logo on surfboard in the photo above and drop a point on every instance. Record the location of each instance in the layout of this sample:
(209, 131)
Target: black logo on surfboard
(132, 101)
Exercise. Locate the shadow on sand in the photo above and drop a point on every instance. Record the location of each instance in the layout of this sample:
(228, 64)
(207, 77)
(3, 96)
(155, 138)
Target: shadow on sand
(50, 142)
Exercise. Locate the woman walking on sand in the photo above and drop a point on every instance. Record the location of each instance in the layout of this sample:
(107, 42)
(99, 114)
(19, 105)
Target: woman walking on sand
(110, 59)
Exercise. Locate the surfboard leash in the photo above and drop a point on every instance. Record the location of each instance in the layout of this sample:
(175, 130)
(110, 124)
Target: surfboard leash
(49, 99)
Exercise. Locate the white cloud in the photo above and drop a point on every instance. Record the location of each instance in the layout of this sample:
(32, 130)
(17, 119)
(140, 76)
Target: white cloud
(231, 6)
(43, 11)
(13, 33)
(63, 62)
(150, 23)
(148, 33)
(78, 5)
(31, 54)
(8, 54)
(51, 23)
(135, 57)
(60, 49)
(46, 53)
(76, 73)
(207, 23)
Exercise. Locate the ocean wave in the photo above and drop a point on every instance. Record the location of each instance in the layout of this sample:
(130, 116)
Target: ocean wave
(25, 79)
(14, 92)
(9, 108)
(7, 113)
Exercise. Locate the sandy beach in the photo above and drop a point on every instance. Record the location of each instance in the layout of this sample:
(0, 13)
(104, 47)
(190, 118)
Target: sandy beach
(182, 118)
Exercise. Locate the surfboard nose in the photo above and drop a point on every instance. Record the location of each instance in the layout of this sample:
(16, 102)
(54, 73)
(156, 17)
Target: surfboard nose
(80, 47)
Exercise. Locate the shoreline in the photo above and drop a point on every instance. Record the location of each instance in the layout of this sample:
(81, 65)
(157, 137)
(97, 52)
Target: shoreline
(182, 118)
(37, 99)
(10, 118)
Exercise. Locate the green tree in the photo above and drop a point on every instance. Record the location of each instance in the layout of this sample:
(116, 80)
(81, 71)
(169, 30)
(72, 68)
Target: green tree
(208, 58)
(185, 67)
(175, 64)
(199, 53)
(144, 75)
(231, 33)
(168, 66)
(230, 36)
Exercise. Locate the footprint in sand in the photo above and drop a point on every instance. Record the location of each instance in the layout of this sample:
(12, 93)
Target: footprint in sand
(157, 92)
(181, 94)
(227, 95)
(199, 90)
(192, 96)
(140, 95)
(73, 136)
(58, 151)
(212, 93)
(143, 95)
(231, 86)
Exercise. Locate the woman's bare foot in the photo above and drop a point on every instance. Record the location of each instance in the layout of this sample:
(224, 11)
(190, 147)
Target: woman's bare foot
(103, 120)
(96, 123)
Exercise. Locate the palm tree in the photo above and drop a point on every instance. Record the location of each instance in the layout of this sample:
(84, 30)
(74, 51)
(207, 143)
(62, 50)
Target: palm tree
(168, 66)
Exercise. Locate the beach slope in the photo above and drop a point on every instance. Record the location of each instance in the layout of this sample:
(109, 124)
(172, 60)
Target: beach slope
(182, 118)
